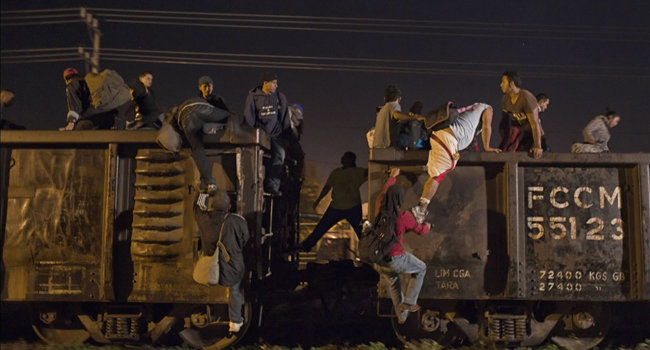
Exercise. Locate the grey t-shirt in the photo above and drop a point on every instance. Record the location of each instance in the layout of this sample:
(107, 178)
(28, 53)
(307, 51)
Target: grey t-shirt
(465, 126)
(385, 125)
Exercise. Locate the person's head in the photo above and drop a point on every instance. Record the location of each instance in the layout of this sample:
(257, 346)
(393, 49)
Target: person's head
(7, 97)
(220, 201)
(392, 93)
(510, 81)
(296, 115)
(146, 78)
(543, 101)
(205, 86)
(393, 200)
(416, 108)
(349, 159)
(269, 82)
(613, 118)
(69, 74)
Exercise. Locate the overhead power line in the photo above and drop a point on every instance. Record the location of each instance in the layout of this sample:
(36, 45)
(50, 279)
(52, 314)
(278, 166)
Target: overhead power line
(383, 26)
(342, 64)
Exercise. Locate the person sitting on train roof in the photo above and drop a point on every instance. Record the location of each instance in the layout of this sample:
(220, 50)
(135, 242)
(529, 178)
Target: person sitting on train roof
(206, 88)
(7, 98)
(386, 131)
(346, 200)
(81, 115)
(212, 221)
(266, 108)
(398, 261)
(188, 119)
(520, 115)
(596, 133)
(527, 139)
(146, 114)
(453, 130)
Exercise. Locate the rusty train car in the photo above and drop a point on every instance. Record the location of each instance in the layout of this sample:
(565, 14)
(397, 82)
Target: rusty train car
(524, 250)
(99, 240)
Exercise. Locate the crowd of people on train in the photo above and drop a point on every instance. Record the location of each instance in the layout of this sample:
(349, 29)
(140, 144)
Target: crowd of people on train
(444, 132)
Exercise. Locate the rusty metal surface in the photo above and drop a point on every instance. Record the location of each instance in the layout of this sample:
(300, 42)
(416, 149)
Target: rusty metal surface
(486, 241)
(82, 205)
(576, 233)
(55, 224)
(245, 136)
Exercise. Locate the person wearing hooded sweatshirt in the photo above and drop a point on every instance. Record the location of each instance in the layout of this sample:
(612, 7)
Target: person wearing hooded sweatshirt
(398, 261)
(234, 235)
(266, 109)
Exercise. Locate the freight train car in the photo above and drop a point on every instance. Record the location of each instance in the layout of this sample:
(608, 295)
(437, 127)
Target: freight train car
(99, 239)
(523, 250)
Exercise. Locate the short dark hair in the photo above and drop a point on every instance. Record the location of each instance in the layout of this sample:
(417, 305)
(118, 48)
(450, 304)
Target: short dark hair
(349, 158)
(143, 73)
(609, 113)
(391, 93)
(513, 77)
(541, 97)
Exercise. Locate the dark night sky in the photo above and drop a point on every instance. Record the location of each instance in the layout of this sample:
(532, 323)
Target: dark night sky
(587, 55)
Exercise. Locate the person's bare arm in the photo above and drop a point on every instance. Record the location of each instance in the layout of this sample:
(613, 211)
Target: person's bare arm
(533, 119)
(322, 194)
(486, 132)
(407, 116)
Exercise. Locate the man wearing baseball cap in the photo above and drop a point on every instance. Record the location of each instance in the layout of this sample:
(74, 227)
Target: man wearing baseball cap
(266, 108)
(206, 87)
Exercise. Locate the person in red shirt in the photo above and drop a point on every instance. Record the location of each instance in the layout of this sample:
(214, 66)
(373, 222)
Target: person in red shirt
(398, 261)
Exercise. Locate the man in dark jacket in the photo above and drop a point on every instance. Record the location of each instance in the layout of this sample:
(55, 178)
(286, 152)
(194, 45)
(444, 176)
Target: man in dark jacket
(234, 237)
(266, 108)
(206, 92)
(146, 111)
(81, 115)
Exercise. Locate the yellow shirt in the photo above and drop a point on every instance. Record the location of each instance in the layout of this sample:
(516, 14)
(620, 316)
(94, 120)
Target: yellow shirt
(345, 184)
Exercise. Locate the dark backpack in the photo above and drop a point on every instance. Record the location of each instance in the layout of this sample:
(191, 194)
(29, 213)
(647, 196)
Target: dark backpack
(375, 244)
(441, 117)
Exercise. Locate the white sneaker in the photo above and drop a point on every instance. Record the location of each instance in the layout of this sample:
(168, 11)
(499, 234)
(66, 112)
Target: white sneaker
(235, 327)
(419, 213)
(202, 201)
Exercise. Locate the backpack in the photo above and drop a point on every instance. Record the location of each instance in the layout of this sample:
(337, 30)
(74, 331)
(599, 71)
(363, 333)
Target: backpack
(377, 241)
(441, 117)
(107, 90)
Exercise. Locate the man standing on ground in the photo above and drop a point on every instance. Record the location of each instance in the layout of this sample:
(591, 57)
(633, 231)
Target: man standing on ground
(520, 114)
(266, 108)
(346, 199)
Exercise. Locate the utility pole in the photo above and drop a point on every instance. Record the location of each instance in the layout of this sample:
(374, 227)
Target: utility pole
(95, 34)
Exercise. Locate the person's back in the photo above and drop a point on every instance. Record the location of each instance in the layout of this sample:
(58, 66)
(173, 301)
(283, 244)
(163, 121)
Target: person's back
(386, 127)
(345, 184)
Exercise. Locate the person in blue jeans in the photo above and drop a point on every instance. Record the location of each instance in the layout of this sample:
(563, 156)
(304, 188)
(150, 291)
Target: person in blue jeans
(212, 221)
(188, 119)
(266, 108)
(346, 199)
(398, 261)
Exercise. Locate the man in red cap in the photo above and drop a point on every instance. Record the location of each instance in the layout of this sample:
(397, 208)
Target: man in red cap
(81, 116)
